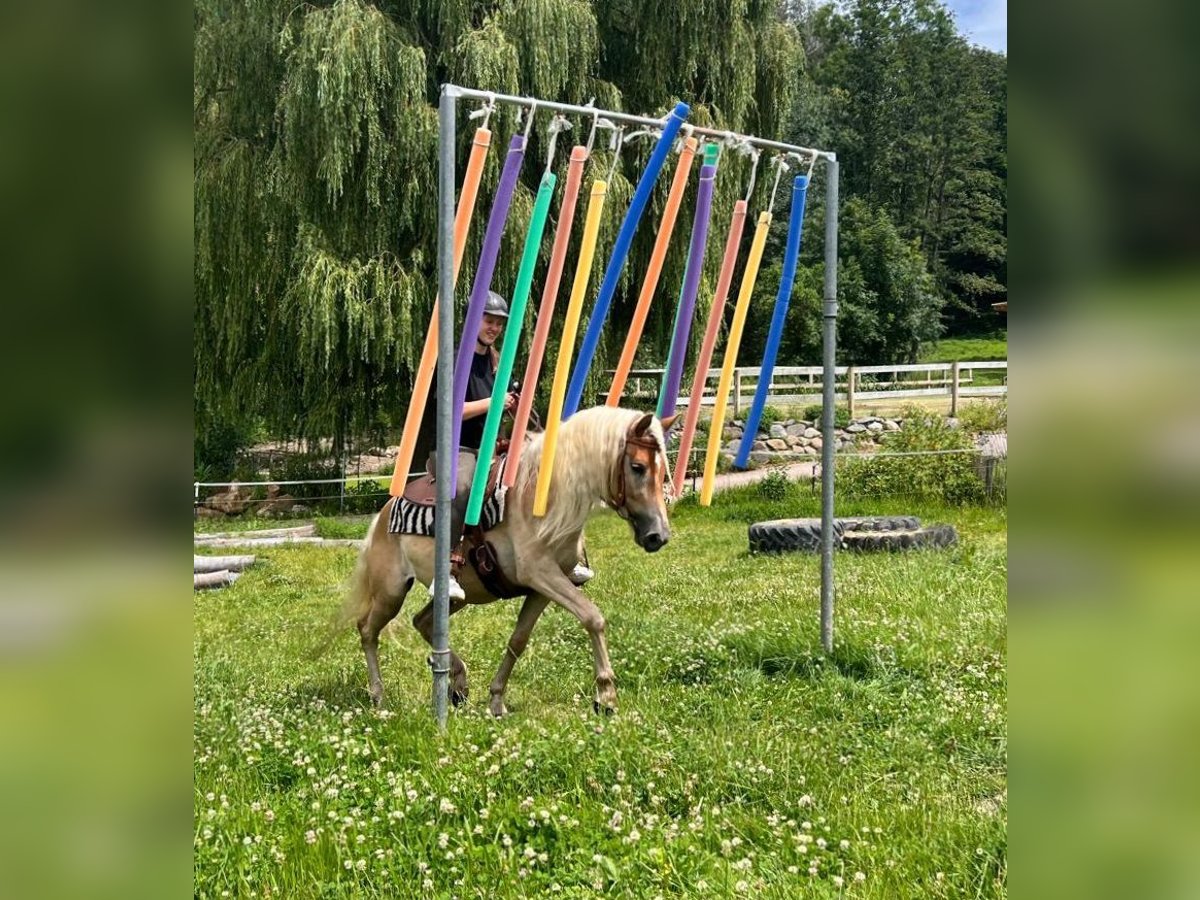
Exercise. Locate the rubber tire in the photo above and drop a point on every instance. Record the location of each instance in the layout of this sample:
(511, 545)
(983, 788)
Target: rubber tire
(785, 535)
(931, 537)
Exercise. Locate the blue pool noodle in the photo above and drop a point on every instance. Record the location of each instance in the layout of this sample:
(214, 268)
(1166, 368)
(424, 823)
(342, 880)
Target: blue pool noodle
(795, 227)
(617, 261)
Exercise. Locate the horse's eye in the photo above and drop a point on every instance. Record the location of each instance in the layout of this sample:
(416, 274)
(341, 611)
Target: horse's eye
(638, 469)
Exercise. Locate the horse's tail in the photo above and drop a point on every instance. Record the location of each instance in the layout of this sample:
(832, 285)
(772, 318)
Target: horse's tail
(357, 599)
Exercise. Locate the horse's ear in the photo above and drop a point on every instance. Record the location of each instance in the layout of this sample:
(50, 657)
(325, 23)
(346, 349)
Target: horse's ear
(641, 425)
(668, 422)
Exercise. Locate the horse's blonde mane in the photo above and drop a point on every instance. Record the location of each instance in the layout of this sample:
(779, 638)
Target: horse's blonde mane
(589, 444)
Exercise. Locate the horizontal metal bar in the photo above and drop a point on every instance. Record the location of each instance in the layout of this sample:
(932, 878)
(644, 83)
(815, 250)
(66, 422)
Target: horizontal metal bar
(763, 143)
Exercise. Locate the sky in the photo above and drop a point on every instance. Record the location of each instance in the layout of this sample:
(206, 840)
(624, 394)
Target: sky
(984, 22)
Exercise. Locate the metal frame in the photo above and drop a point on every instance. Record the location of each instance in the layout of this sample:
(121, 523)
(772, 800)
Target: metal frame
(447, 111)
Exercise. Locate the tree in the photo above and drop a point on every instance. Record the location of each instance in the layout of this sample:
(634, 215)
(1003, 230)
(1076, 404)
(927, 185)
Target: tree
(315, 133)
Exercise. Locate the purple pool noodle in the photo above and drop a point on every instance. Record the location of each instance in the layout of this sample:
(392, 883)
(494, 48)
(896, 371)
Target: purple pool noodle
(691, 286)
(479, 291)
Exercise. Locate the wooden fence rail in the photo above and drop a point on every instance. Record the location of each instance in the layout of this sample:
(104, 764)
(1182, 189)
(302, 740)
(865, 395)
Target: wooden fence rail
(799, 385)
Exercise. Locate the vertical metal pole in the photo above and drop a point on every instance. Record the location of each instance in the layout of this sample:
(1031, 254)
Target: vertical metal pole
(954, 388)
(829, 438)
(445, 388)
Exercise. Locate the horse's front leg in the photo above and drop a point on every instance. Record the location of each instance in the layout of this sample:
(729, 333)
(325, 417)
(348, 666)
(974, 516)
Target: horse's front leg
(423, 622)
(558, 587)
(531, 610)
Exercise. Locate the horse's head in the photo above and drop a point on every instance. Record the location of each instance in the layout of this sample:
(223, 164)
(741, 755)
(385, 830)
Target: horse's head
(640, 476)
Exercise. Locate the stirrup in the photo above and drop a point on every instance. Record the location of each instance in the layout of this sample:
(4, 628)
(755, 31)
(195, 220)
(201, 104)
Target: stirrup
(581, 575)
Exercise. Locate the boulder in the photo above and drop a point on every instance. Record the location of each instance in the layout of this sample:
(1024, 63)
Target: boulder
(811, 432)
(855, 428)
(778, 445)
(778, 431)
(875, 425)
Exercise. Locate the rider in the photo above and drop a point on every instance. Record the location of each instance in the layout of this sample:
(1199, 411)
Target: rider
(480, 384)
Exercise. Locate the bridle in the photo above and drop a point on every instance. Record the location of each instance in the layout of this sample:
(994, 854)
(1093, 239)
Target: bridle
(617, 499)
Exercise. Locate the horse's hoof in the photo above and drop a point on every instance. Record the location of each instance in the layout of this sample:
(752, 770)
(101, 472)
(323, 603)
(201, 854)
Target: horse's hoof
(596, 708)
(498, 710)
(459, 697)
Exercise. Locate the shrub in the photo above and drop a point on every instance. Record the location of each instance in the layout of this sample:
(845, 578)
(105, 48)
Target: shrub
(775, 486)
(841, 415)
(770, 415)
(951, 477)
(984, 415)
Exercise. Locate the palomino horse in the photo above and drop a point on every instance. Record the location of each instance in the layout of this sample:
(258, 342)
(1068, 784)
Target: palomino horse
(605, 455)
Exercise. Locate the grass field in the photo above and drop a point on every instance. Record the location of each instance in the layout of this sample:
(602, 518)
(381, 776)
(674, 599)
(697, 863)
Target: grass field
(970, 349)
(742, 761)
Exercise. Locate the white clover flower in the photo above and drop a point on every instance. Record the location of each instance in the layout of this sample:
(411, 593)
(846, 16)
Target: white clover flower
(741, 887)
(838, 880)
(844, 844)
(860, 876)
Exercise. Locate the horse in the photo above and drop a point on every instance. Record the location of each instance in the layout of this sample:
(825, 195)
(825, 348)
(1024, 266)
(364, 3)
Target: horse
(605, 455)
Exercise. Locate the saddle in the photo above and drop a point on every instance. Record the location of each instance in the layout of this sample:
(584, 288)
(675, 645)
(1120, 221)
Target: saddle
(413, 514)
(422, 491)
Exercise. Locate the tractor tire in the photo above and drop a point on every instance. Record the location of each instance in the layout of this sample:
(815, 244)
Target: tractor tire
(783, 535)
(931, 537)
(786, 535)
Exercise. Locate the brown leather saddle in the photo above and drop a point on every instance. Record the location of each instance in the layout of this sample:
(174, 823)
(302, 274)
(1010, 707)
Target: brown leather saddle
(479, 551)
(423, 490)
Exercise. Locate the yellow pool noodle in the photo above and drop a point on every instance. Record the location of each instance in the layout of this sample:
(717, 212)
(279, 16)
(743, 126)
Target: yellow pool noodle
(731, 350)
(562, 368)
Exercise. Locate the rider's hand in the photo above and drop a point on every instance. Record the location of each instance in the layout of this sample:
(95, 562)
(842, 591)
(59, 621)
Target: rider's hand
(510, 402)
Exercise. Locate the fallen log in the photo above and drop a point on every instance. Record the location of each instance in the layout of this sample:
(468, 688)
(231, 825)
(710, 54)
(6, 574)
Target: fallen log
(279, 542)
(207, 581)
(219, 563)
(308, 530)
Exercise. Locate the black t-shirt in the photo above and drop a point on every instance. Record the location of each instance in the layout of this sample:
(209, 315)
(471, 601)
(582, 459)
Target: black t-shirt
(479, 386)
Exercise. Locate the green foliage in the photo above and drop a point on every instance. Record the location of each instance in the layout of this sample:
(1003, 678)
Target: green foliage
(888, 303)
(984, 416)
(775, 486)
(948, 477)
(919, 118)
(770, 415)
(814, 413)
(967, 349)
(315, 134)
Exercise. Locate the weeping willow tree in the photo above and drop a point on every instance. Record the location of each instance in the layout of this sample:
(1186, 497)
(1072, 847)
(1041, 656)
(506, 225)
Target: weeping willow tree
(315, 172)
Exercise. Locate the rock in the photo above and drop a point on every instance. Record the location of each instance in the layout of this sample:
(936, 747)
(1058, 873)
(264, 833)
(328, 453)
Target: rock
(759, 456)
(890, 425)
(794, 441)
(810, 451)
(231, 502)
(855, 428)
(759, 445)
(778, 445)
(875, 426)
(952, 422)
(816, 443)
(778, 431)
(731, 433)
(796, 430)
(811, 432)
(733, 446)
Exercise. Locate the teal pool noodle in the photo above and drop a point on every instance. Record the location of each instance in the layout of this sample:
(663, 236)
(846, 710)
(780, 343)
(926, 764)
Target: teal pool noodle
(508, 352)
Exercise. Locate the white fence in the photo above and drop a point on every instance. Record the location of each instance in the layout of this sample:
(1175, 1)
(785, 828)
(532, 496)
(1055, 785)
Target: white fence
(801, 385)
